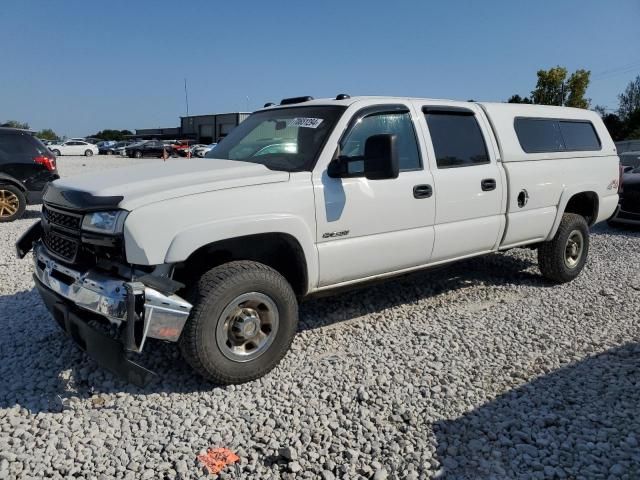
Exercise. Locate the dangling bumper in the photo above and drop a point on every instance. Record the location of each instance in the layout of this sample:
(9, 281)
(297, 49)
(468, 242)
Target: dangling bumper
(137, 311)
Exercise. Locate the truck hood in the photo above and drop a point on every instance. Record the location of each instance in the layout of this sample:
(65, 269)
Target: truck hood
(154, 182)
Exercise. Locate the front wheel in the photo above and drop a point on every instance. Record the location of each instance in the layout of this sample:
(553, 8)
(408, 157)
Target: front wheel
(244, 318)
(562, 258)
(138, 154)
(56, 152)
(88, 153)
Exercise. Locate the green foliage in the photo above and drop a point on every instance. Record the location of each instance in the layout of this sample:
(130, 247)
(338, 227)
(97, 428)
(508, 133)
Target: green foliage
(553, 88)
(109, 134)
(518, 99)
(629, 100)
(550, 89)
(577, 87)
(15, 124)
(47, 134)
(615, 126)
(632, 125)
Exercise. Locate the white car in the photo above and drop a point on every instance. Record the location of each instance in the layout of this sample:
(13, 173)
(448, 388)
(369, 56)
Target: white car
(202, 150)
(74, 147)
(307, 197)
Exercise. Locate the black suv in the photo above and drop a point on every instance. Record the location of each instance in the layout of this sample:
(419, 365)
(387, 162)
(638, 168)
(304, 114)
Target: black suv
(26, 166)
(150, 148)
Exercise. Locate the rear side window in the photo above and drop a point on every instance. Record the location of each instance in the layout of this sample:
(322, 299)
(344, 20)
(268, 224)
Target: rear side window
(546, 135)
(20, 147)
(579, 135)
(457, 139)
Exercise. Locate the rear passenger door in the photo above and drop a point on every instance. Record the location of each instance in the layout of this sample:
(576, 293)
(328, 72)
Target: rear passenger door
(468, 183)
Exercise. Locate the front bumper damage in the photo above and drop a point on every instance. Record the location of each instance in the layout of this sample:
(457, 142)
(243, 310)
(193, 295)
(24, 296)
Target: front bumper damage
(136, 310)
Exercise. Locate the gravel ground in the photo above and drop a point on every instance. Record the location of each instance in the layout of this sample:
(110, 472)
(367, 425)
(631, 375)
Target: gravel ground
(481, 370)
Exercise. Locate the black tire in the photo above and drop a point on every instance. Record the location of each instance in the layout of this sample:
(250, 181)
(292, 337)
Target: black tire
(557, 259)
(217, 291)
(12, 203)
(88, 153)
(56, 152)
(138, 154)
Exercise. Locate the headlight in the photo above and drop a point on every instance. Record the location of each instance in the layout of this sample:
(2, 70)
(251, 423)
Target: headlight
(104, 222)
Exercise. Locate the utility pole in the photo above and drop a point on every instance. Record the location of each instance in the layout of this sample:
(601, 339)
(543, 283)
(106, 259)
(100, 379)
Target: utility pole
(186, 96)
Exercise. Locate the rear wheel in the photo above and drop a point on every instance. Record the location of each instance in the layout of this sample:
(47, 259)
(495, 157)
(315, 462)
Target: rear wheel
(244, 318)
(563, 258)
(12, 203)
(88, 153)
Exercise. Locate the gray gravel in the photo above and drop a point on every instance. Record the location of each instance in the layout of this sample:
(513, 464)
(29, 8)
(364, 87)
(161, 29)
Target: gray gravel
(481, 370)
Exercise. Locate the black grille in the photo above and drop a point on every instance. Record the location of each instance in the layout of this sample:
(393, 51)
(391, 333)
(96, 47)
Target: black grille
(62, 219)
(63, 247)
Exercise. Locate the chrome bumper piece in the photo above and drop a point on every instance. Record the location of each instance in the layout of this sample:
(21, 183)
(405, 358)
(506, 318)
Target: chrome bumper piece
(164, 316)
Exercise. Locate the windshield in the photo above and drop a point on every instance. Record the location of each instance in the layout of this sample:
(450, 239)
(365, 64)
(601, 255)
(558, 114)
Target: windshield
(287, 139)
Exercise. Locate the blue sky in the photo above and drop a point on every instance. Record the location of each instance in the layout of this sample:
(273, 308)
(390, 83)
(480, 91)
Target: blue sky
(81, 66)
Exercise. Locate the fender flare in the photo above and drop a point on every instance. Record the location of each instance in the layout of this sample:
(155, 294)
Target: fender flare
(567, 193)
(5, 178)
(188, 241)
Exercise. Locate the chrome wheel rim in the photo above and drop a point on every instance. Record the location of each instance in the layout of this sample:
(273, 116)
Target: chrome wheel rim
(247, 327)
(574, 248)
(9, 203)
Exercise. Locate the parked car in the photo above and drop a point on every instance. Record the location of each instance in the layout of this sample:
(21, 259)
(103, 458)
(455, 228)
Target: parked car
(26, 166)
(189, 151)
(629, 210)
(215, 253)
(74, 147)
(117, 148)
(181, 147)
(630, 159)
(105, 145)
(149, 148)
(202, 150)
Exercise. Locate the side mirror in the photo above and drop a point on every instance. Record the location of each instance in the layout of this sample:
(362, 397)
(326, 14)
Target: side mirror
(379, 162)
(381, 157)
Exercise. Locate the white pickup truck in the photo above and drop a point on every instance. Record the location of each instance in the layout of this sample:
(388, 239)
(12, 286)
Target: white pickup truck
(308, 196)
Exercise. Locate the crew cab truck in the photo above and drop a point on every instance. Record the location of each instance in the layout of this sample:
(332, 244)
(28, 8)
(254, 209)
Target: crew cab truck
(305, 197)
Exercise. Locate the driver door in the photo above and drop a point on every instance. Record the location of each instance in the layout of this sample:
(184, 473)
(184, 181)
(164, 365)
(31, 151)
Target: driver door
(372, 227)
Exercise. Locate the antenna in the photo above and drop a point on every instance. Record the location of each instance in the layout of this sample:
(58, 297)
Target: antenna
(186, 96)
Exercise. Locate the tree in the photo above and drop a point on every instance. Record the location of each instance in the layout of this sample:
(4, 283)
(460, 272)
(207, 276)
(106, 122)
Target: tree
(550, 87)
(47, 134)
(629, 100)
(518, 99)
(15, 124)
(615, 126)
(577, 86)
(553, 88)
(632, 125)
(109, 134)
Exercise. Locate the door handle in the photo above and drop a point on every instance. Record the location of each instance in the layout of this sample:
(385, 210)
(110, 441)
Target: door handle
(422, 191)
(488, 184)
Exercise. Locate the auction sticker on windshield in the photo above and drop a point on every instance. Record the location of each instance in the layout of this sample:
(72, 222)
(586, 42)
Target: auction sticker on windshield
(305, 122)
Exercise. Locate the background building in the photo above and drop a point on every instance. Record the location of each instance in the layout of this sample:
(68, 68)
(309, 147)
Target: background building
(199, 128)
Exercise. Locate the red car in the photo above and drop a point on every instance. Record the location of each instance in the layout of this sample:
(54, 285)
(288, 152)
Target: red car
(181, 147)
